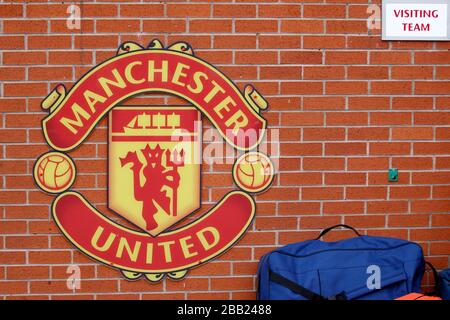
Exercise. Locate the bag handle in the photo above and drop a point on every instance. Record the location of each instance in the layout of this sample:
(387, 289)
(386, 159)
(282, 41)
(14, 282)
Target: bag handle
(437, 287)
(325, 231)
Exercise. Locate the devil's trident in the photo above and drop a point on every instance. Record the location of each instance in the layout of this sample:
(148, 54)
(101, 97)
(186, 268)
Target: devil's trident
(175, 161)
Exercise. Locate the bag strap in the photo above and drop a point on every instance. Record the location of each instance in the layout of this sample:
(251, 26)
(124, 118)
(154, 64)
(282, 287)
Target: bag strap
(294, 287)
(324, 231)
(437, 287)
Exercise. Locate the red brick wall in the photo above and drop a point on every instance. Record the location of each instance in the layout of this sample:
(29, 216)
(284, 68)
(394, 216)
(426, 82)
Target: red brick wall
(347, 104)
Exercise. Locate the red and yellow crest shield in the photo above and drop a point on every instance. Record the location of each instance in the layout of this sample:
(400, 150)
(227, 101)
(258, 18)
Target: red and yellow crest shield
(154, 160)
(154, 165)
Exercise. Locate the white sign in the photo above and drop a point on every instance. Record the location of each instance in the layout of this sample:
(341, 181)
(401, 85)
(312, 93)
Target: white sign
(416, 20)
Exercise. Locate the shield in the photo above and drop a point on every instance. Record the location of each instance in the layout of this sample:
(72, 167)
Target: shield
(154, 165)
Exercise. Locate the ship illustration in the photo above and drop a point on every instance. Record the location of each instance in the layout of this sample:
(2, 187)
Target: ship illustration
(144, 124)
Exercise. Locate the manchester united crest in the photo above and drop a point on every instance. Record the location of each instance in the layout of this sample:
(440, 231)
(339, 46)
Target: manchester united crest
(154, 161)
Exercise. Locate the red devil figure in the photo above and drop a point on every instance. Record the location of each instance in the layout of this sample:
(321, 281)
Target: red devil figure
(150, 191)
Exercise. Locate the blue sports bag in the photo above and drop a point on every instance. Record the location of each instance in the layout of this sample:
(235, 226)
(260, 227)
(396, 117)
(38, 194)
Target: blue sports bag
(444, 278)
(363, 267)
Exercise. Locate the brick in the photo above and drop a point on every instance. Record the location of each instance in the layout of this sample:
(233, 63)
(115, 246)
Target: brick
(323, 11)
(26, 242)
(323, 42)
(24, 26)
(323, 163)
(420, 72)
(366, 192)
(302, 119)
(412, 163)
(346, 57)
(302, 26)
(372, 133)
(429, 234)
(279, 11)
(346, 118)
(441, 192)
(413, 133)
(258, 57)
(442, 162)
(28, 272)
(346, 87)
(12, 257)
(12, 73)
(11, 11)
(188, 10)
(432, 118)
(385, 207)
(438, 177)
(166, 25)
(70, 57)
(13, 287)
(443, 133)
(236, 283)
(256, 26)
(234, 41)
(345, 27)
(440, 220)
(322, 193)
(142, 10)
(346, 148)
(10, 197)
(24, 58)
(278, 223)
(324, 72)
(45, 11)
(299, 208)
(49, 42)
(109, 26)
(431, 57)
(318, 222)
(303, 87)
(25, 89)
(405, 192)
(389, 148)
(12, 42)
(301, 57)
(368, 103)
(431, 147)
(365, 42)
(390, 57)
(7, 135)
(430, 206)
(412, 103)
(49, 257)
(365, 72)
(429, 87)
(344, 207)
(323, 103)
(234, 10)
(366, 221)
(280, 72)
(323, 134)
(390, 118)
(391, 87)
(279, 42)
(300, 178)
(343, 178)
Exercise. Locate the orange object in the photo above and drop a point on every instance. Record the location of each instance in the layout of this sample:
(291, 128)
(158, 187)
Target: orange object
(418, 296)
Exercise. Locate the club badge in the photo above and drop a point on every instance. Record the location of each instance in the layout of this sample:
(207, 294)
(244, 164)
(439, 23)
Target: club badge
(154, 161)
